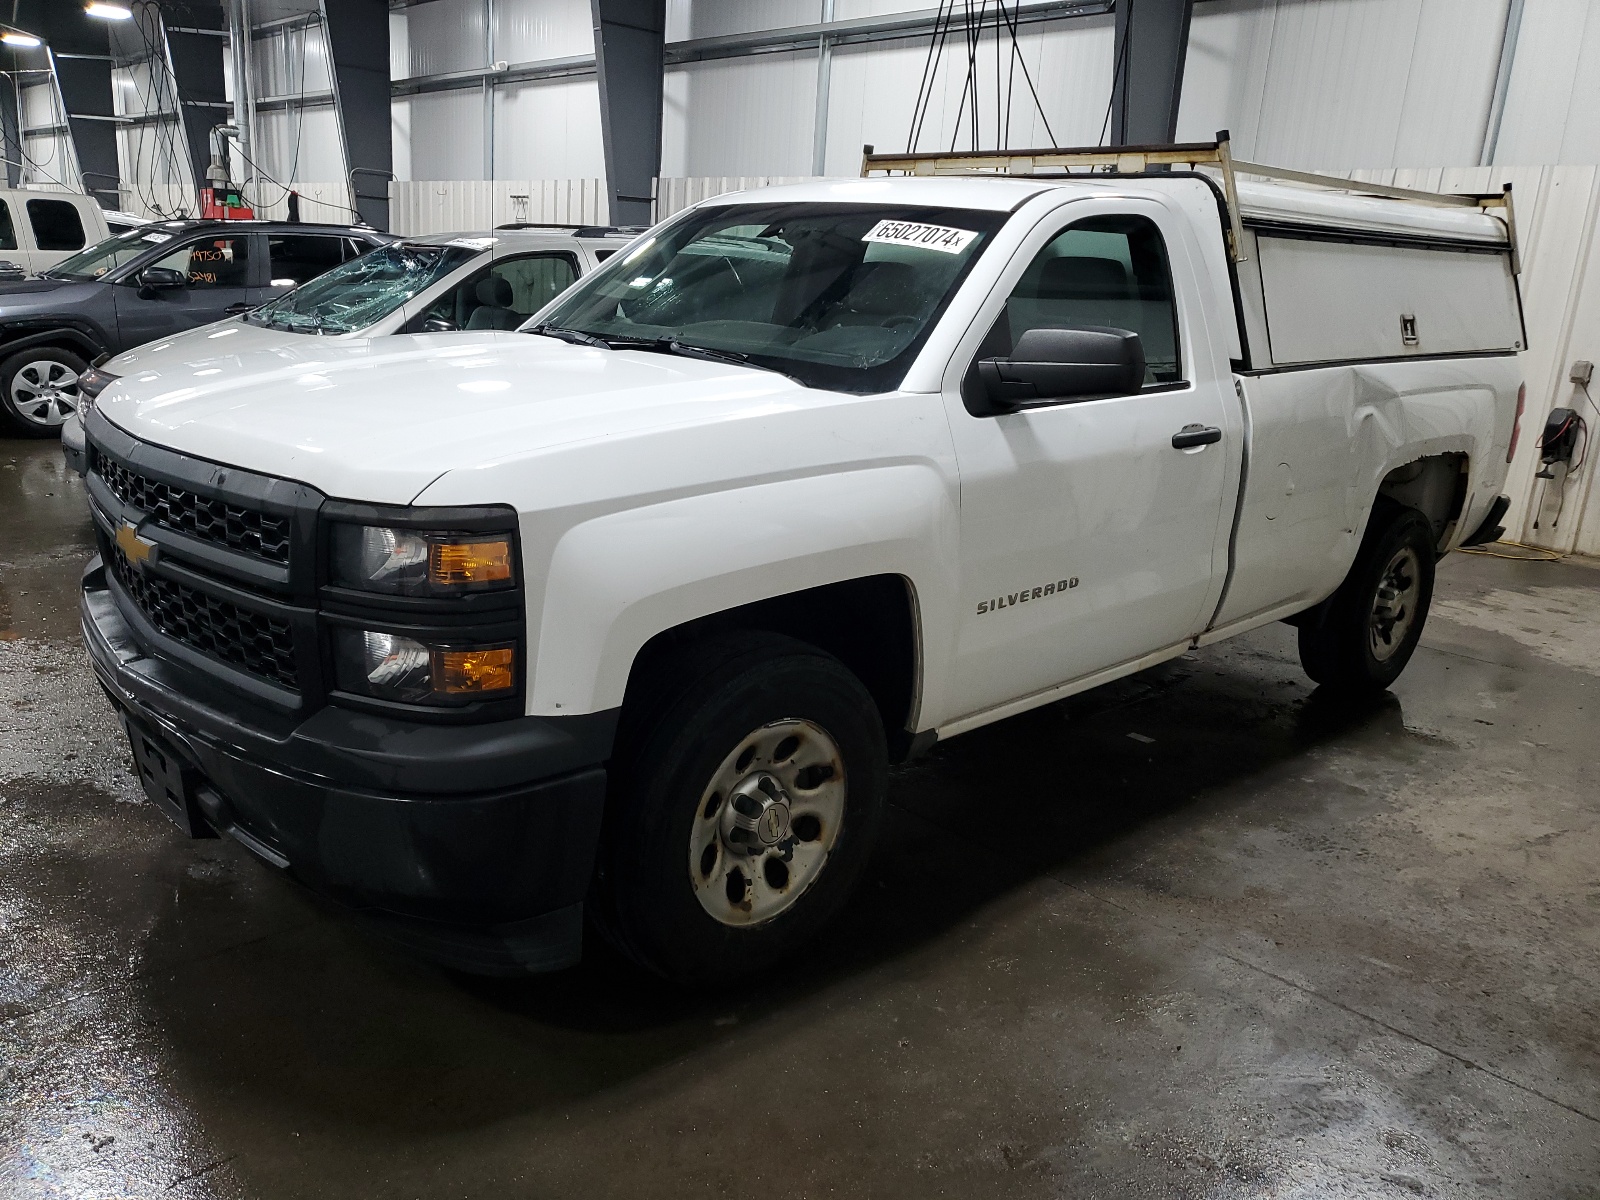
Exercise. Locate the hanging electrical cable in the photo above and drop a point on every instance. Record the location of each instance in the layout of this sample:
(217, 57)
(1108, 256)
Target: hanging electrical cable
(975, 20)
(1013, 26)
(299, 104)
(1120, 65)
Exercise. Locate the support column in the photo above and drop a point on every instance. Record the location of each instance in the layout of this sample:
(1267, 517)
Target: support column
(197, 40)
(1151, 44)
(358, 41)
(630, 56)
(82, 53)
(819, 118)
(10, 130)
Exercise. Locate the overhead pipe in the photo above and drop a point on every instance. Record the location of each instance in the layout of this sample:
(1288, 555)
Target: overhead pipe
(244, 90)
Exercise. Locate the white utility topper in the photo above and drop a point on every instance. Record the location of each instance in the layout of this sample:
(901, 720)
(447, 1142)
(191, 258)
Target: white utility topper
(629, 610)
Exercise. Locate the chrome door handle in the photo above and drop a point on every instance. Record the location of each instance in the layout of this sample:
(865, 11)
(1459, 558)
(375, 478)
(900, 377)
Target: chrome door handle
(1195, 435)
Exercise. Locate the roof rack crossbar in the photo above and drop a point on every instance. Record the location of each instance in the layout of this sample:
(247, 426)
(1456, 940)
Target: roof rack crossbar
(1138, 160)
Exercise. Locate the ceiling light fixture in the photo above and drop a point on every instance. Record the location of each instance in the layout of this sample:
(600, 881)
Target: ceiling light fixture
(26, 41)
(108, 12)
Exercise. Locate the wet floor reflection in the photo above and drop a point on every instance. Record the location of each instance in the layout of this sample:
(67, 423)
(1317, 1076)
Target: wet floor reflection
(1204, 932)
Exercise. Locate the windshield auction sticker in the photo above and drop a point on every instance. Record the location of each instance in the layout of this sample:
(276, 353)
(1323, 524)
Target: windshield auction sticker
(928, 237)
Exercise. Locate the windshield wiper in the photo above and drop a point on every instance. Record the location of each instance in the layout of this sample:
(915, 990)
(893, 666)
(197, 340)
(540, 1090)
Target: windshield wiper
(671, 345)
(576, 337)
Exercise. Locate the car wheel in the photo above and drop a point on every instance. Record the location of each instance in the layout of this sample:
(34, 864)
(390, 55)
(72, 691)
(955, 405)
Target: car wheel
(39, 390)
(1364, 635)
(742, 808)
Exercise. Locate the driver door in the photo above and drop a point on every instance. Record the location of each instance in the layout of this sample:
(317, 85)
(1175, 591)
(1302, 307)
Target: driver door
(1089, 541)
(221, 274)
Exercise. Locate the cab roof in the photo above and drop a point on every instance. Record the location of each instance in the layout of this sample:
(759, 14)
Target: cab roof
(546, 237)
(191, 224)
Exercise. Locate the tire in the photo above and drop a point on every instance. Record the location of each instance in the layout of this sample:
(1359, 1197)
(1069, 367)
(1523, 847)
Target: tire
(1362, 637)
(697, 880)
(39, 390)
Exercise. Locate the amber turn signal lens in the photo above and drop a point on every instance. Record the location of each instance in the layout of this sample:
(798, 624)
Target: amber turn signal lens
(468, 672)
(470, 562)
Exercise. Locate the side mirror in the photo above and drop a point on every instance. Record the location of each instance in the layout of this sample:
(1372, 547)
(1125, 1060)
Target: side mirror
(157, 279)
(438, 325)
(1061, 364)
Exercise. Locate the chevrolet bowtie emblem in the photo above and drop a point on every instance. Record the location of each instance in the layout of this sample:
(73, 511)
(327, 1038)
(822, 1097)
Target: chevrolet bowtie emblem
(131, 544)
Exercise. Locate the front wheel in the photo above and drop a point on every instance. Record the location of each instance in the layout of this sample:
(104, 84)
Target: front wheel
(1364, 635)
(39, 390)
(742, 811)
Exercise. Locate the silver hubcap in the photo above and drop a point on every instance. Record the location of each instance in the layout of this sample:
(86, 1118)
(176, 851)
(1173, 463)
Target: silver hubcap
(45, 392)
(767, 822)
(1394, 608)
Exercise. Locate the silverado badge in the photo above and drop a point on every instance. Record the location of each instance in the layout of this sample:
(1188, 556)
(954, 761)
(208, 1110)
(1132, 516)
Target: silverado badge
(1026, 594)
(136, 548)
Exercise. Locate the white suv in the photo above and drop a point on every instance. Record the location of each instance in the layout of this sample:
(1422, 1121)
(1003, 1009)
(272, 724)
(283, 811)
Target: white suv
(434, 283)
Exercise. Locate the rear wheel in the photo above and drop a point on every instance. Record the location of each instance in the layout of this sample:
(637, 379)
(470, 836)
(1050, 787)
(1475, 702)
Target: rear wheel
(742, 809)
(39, 390)
(1364, 635)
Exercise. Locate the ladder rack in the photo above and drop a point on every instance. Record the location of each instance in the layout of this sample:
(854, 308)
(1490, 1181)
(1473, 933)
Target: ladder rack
(1141, 160)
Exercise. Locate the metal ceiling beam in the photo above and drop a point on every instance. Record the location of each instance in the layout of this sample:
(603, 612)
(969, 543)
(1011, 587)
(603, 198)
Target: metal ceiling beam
(518, 72)
(630, 57)
(855, 31)
(1152, 41)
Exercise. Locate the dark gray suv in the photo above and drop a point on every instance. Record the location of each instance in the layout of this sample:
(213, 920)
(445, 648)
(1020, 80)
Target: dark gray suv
(142, 285)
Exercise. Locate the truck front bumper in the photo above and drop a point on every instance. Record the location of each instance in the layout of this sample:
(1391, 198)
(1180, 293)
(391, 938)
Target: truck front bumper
(472, 844)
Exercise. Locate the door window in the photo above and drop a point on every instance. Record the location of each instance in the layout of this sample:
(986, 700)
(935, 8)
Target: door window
(56, 225)
(8, 233)
(506, 294)
(1110, 272)
(212, 262)
(298, 258)
(535, 280)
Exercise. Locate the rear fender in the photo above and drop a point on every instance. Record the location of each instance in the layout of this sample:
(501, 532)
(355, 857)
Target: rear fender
(1460, 410)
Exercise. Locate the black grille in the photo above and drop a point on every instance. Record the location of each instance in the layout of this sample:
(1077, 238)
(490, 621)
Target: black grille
(249, 640)
(247, 530)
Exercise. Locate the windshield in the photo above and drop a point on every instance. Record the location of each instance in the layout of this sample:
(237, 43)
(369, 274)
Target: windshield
(355, 294)
(106, 256)
(840, 296)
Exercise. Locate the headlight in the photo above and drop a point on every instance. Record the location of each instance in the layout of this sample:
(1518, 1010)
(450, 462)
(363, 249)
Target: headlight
(408, 562)
(94, 381)
(391, 666)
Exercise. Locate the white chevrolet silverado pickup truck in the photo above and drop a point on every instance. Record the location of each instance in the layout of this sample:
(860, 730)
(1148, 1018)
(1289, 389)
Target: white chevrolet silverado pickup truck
(624, 616)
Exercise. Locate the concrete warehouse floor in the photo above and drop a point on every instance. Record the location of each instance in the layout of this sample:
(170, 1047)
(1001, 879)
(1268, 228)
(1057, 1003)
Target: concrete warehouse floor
(1202, 933)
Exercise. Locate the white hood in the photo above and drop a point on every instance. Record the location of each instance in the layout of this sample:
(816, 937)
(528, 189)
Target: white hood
(380, 419)
(216, 345)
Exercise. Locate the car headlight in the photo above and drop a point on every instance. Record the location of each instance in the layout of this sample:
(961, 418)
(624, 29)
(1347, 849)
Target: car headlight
(92, 382)
(409, 562)
(392, 666)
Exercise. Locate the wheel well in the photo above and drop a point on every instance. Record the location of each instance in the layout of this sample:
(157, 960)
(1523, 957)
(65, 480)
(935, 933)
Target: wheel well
(868, 624)
(1435, 486)
(65, 339)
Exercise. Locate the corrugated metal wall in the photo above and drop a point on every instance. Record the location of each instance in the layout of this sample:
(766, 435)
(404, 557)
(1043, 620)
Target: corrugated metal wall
(443, 206)
(542, 128)
(1327, 83)
(1552, 112)
(1344, 83)
(764, 109)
